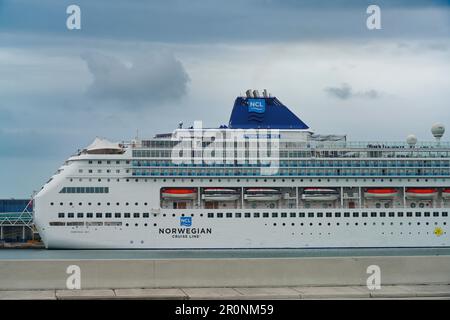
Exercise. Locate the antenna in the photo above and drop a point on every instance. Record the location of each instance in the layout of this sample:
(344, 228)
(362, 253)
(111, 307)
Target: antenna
(438, 130)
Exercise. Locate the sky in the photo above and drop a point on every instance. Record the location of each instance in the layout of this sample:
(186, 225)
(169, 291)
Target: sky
(141, 67)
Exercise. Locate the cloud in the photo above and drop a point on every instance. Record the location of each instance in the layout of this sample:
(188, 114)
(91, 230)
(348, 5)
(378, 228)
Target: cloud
(345, 92)
(178, 21)
(156, 78)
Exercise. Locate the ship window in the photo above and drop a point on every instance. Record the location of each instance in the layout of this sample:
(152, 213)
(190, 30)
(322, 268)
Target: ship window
(256, 215)
(284, 214)
(292, 214)
(145, 215)
(346, 214)
(373, 214)
(229, 215)
(70, 215)
(238, 215)
(337, 214)
(136, 215)
(57, 223)
(409, 214)
(265, 214)
(400, 214)
(219, 215)
(328, 214)
(99, 162)
(435, 214)
(310, 214)
(90, 161)
(382, 214)
(98, 215)
(89, 215)
(274, 214)
(247, 215)
(426, 214)
(364, 214)
(377, 205)
(444, 214)
(355, 214)
(61, 215)
(210, 215)
(126, 215)
(391, 214)
(80, 215)
(418, 214)
(108, 215)
(117, 215)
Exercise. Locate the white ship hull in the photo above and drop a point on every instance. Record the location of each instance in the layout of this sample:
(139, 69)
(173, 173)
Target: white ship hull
(162, 229)
(233, 233)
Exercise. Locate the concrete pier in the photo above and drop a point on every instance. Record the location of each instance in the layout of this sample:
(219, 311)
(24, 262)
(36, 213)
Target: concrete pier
(225, 273)
(239, 293)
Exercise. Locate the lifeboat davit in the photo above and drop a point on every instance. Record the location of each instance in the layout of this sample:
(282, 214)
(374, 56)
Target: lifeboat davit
(446, 193)
(220, 194)
(421, 193)
(381, 193)
(320, 194)
(262, 194)
(179, 193)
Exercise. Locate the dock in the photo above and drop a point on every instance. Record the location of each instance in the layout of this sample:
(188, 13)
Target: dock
(404, 275)
(410, 292)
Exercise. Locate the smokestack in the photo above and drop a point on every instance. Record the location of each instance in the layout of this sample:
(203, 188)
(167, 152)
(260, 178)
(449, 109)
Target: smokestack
(248, 93)
(256, 94)
(265, 94)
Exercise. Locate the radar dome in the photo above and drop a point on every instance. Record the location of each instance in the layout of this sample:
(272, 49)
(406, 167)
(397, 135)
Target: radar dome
(411, 140)
(438, 130)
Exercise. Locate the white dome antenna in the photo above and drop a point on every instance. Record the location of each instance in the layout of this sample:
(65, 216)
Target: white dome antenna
(438, 131)
(411, 140)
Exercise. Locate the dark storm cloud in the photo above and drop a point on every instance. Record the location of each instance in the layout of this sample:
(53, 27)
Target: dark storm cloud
(155, 78)
(345, 92)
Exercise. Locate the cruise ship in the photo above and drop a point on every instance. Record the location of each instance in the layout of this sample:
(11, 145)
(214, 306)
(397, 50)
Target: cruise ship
(264, 180)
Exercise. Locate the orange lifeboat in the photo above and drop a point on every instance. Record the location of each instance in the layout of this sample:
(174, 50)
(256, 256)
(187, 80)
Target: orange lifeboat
(381, 193)
(421, 193)
(179, 193)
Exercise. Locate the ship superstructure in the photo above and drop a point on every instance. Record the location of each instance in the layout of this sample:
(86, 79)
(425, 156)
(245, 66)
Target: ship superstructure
(265, 180)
